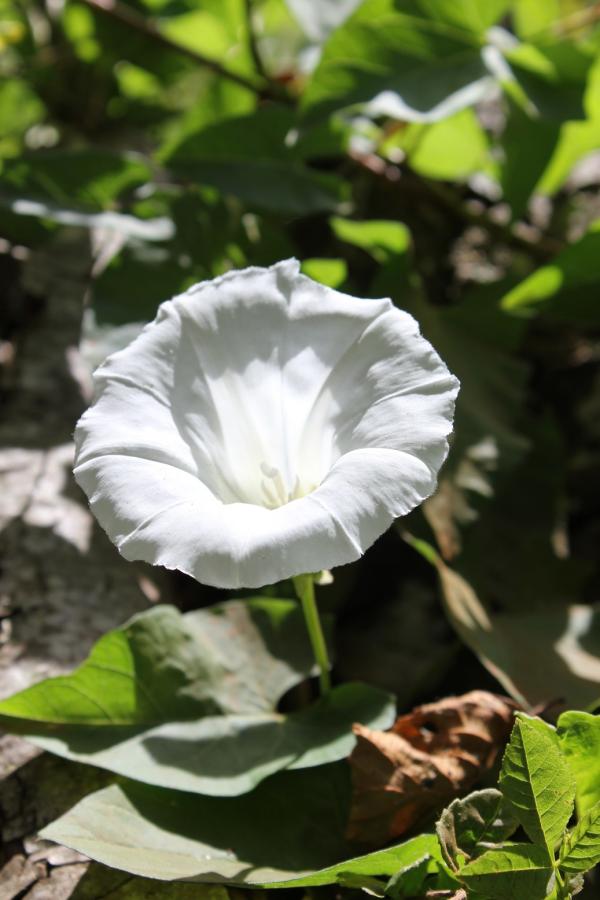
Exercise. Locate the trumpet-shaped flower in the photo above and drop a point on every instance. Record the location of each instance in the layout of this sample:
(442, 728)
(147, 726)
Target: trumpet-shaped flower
(264, 426)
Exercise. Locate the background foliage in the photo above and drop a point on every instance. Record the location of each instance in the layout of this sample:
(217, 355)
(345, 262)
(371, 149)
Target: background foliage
(445, 154)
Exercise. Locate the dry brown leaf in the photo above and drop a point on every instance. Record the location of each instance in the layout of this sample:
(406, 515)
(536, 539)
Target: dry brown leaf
(425, 760)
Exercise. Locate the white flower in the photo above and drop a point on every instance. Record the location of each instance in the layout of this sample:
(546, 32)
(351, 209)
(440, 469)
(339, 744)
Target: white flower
(264, 426)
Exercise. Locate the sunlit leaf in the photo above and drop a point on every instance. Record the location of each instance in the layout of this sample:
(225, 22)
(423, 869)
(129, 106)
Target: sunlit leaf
(451, 149)
(532, 17)
(189, 702)
(318, 18)
(217, 30)
(466, 14)
(20, 108)
(382, 239)
(331, 272)
(579, 736)
(295, 837)
(581, 849)
(576, 140)
(537, 782)
(519, 872)
(392, 62)
(566, 288)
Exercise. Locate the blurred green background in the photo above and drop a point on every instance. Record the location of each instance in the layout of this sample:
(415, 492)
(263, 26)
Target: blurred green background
(442, 153)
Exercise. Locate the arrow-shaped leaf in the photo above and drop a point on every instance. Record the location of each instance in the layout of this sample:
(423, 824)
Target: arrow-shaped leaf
(286, 833)
(189, 702)
(536, 780)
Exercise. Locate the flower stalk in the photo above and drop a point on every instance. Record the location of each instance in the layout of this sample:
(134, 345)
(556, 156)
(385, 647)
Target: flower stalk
(304, 586)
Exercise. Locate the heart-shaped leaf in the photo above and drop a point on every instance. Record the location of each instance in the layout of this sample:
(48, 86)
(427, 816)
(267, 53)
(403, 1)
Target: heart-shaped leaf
(388, 59)
(189, 702)
(249, 157)
(289, 831)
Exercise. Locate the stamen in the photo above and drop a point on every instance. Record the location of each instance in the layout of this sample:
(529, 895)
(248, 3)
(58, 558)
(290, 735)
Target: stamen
(274, 489)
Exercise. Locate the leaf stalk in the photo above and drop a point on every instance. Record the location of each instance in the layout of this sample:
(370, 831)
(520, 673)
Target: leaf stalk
(304, 585)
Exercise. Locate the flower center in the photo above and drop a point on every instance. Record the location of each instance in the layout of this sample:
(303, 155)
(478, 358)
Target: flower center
(274, 490)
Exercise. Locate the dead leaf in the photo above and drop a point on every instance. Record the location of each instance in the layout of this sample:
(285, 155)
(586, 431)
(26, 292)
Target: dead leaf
(425, 760)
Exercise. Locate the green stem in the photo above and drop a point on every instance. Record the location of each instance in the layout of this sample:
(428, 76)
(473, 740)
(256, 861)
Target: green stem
(305, 588)
(563, 893)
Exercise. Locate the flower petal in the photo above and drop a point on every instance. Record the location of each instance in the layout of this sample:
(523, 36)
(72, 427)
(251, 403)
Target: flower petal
(264, 426)
(165, 516)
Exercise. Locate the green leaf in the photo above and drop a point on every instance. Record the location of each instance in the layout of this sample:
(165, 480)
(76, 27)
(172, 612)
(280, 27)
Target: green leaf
(581, 849)
(409, 881)
(382, 239)
(567, 288)
(163, 665)
(388, 243)
(537, 782)
(258, 135)
(534, 655)
(93, 177)
(250, 157)
(451, 150)
(508, 598)
(279, 186)
(470, 15)
(318, 18)
(20, 108)
(188, 702)
(519, 872)
(530, 16)
(472, 822)
(136, 281)
(473, 339)
(217, 29)
(577, 139)
(287, 832)
(391, 61)
(520, 172)
(230, 754)
(331, 272)
(579, 737)
(552, 79)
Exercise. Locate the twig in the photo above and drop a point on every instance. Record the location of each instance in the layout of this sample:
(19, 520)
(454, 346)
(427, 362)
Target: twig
(118, 11)
(253, 43)
(541, 246)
